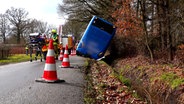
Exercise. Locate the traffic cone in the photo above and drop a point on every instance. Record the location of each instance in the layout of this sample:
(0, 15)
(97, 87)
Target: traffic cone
(50, 73)
(66, 61)
(61, 55)
(73, 52)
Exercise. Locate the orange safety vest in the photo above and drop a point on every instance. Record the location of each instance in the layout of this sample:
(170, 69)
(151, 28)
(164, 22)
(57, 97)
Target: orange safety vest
(60, 46)
(44, 48)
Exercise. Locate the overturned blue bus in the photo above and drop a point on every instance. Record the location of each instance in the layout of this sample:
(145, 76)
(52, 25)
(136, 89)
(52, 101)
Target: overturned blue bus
(96, 38)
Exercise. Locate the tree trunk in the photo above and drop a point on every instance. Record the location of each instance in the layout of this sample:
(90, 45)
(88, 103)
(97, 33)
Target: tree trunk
(169, 44)
(18, 37)
(159, 25)
(4, 38)
(143, 9)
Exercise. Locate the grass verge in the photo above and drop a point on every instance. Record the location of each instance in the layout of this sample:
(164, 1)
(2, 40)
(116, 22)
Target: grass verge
(15, 58)
(89, 91)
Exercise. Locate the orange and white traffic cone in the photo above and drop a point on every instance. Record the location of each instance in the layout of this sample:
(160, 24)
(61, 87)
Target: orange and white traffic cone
(73, 52)
(66, 61)
(61, 55)
(50, 73)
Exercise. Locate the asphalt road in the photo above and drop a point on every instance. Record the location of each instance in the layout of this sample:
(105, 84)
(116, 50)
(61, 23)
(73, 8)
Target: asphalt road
(18, 86)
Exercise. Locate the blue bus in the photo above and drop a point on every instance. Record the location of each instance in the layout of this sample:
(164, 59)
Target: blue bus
(96, 38)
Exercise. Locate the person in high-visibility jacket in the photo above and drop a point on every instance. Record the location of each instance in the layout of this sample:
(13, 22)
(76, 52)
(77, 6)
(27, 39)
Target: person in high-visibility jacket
(26, 48)
(55, 42)
(45, 47)
(44, 51)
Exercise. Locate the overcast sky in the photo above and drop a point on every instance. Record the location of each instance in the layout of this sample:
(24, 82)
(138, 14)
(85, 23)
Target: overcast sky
(44, 10)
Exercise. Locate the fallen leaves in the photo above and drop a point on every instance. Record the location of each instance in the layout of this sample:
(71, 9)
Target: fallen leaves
(109, 90)
(146, 82)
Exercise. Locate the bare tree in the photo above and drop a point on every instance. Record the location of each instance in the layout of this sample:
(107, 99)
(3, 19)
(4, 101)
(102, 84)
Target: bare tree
(166, 21)
(42, 26)
(74, 28)
(35, 25)
(80, 12)
(3, 26)
(83, 10)
(31, 26)
(18, 20)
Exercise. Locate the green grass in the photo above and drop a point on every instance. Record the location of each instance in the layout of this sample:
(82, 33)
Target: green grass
(86, 63)
(173, 80)
(124, 80)
(15, 58)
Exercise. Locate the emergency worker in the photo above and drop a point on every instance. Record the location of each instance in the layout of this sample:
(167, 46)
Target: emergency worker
(55, 37)
(60, 47)
(39, 41)
(26, 48)
(45, 47)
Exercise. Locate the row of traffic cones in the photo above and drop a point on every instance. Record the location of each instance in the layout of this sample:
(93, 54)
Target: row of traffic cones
(50, 73)
(73, 52)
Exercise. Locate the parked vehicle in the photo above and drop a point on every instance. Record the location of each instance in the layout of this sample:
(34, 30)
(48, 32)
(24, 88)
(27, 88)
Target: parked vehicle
(68, 40)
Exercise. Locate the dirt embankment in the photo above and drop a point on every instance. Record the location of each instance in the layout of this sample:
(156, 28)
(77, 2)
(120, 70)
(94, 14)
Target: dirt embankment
(159, 83)
(136, 81)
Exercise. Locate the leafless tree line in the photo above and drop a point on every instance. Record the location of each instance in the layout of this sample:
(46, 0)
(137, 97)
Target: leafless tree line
(163, 25)
(15, 24)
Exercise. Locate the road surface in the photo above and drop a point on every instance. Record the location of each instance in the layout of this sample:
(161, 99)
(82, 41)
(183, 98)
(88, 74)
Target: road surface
(18, 86)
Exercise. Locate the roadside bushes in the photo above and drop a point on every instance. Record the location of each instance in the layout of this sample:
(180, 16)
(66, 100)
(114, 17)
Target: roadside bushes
(9, 49)
(17, 50)
(4, 52)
